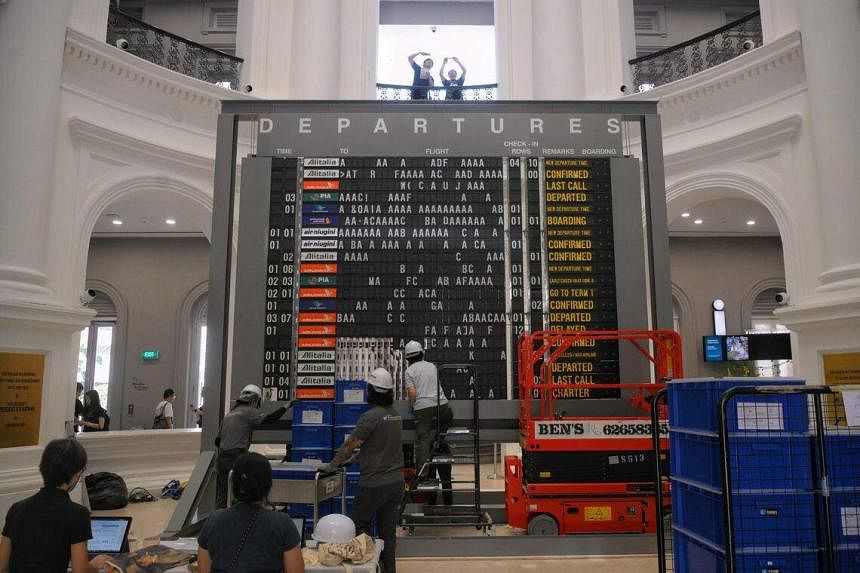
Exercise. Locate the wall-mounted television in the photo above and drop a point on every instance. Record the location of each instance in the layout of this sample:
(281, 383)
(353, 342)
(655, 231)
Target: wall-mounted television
(743, 347)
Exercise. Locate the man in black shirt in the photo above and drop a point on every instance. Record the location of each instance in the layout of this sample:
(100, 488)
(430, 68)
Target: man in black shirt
(44, 531)
(453, 83)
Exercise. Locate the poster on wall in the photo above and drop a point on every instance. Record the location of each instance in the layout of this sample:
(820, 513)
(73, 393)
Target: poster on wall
(841, 369)
(21, 377)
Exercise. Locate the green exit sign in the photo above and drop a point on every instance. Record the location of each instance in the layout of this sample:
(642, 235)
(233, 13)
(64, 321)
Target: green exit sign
(149, 354)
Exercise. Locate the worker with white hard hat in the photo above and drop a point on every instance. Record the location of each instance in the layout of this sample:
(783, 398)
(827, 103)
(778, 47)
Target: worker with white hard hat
(234, 438)
(379, 434)
(431, 408)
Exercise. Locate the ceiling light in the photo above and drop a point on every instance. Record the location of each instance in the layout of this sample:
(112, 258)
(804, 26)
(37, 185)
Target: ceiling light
(698, 221)
(751, 222)
(117, 221)
(170, 221)
(685, 214)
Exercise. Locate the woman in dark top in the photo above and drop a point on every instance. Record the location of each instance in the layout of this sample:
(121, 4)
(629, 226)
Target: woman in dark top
(94, 417)
(43, 532)
(421, 75)
(249, 536)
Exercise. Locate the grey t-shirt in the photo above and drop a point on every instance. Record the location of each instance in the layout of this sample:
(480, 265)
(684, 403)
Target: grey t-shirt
(423, 377)
(381, 431)
(238, 425)
(272, 534)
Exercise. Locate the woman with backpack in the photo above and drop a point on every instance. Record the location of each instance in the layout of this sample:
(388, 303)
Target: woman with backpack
(94, 418)
(164, 411)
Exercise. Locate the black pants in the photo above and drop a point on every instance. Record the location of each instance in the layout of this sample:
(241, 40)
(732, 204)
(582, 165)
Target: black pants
(384, 503)
(444, 474)
(223, 465)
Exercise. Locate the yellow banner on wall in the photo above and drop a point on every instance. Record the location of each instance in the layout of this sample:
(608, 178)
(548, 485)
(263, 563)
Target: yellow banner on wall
(839, 369)
(21, 377)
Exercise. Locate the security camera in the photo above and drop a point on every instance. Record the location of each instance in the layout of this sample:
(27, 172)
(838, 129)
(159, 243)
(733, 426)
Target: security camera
(122, 44)
(247, 88)
(748, 45)
(623, 88)
(781, 298)
(88, 296)
(433, 29)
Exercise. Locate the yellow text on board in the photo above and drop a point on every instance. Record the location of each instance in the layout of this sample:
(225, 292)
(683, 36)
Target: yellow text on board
(21, 377)
(598, 513)
(839, 369)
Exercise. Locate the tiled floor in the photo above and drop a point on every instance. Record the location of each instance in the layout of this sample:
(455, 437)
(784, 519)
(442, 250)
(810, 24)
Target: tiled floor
(151, 518)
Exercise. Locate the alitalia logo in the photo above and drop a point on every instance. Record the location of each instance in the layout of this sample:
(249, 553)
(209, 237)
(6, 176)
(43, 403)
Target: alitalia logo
(316, 368)
(320, 162)
(316, 355)
(316, 256)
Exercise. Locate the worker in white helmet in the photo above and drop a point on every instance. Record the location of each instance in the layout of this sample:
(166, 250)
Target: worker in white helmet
(379, 434)
(234, 438)
(432, 412)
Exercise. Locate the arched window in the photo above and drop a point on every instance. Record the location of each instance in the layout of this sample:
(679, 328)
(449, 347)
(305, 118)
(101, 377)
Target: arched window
(197, 355)
(762, 320)
(95, 366)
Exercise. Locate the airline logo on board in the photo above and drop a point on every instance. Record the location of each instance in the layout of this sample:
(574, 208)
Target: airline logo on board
(319, 244)
(317, 343)
(318, 268)
(321, 197)
(321, 173)
(317, 317)
(317, 293)
(327, 185)
(315, 380)
(317, 329)
(320, 220)
(316, 355)
(317, 256)
(321, 162)
(320, 232)
(316, 368)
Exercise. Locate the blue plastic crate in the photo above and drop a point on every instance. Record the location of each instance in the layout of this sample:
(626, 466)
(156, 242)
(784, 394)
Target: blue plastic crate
(312, 436)
(322, 456)
(294, 469)
(341, 433)
(845, 516)
(306, 412)
(757, 460)
(695, 555)
(843, 459)
(350, 391)
(759, 520)
(693, 404)
(348, 414)
(847, 558)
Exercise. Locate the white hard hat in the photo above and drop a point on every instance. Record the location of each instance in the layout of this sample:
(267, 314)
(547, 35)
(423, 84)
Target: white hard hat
(381, 380)
(413, 348)
(251, 389)
(334, 528)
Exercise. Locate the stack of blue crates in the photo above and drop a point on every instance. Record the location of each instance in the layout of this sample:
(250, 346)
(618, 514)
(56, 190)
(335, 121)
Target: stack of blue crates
(770, 453)
(350, 404)
(312, 430)
(842, 450)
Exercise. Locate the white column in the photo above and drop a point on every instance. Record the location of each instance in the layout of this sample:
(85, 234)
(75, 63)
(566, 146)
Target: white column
(32, 39)
(609, 42)
(778, 18)
(264, 42)
(315, 69)
(831, 52)
(359, 32)
(514, 69)
(90, 17)
(559, 71)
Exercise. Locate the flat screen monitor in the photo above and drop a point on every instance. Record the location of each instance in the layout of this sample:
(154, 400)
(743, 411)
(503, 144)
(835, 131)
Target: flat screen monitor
(737, 348)
(714, 350)
(770, 346)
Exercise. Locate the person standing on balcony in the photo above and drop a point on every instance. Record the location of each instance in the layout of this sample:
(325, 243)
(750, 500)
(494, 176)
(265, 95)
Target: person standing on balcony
(453, 83)
(421, 77)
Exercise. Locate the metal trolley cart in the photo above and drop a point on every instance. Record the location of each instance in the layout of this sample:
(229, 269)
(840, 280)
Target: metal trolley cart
(586, 474)
(296, 482)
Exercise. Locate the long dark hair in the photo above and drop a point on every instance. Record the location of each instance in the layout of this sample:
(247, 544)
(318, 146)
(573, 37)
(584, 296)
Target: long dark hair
(95, 403)
(252, 478)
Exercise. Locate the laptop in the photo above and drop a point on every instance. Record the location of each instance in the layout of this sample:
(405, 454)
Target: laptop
(110, 535)
(299, 522)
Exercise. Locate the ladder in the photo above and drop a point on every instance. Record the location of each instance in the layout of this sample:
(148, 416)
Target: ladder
(452, 446)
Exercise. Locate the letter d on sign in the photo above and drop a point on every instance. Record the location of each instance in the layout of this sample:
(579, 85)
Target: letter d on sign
(265, 125)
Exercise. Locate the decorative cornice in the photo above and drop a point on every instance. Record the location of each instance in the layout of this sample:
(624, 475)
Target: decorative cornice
(93, 134)
(146, 75)
(829, 313)
(45, 314)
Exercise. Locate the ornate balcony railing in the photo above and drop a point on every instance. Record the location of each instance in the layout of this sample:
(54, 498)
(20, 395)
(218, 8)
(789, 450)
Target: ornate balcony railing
(700, 53)
(171, 51)
(483, 92)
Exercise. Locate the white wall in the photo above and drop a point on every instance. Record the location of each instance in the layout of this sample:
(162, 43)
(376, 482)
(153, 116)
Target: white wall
(187, 18)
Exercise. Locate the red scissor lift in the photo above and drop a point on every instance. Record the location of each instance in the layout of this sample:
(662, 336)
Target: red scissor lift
(611, 488)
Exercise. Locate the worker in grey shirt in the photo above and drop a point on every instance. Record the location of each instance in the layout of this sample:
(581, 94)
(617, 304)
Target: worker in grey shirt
(234, 438)
(379, 434)
(429, 405)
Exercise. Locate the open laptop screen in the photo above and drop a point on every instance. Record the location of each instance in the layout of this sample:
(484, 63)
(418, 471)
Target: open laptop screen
(109, 534)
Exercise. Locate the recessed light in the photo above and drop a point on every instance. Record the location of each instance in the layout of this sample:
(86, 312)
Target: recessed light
(170, 221)
(751, 222)
(685, 214)
(698, 221)
(117, 221)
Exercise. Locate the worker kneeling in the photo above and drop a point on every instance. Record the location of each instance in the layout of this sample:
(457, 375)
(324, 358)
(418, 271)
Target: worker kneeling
(378, 433)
